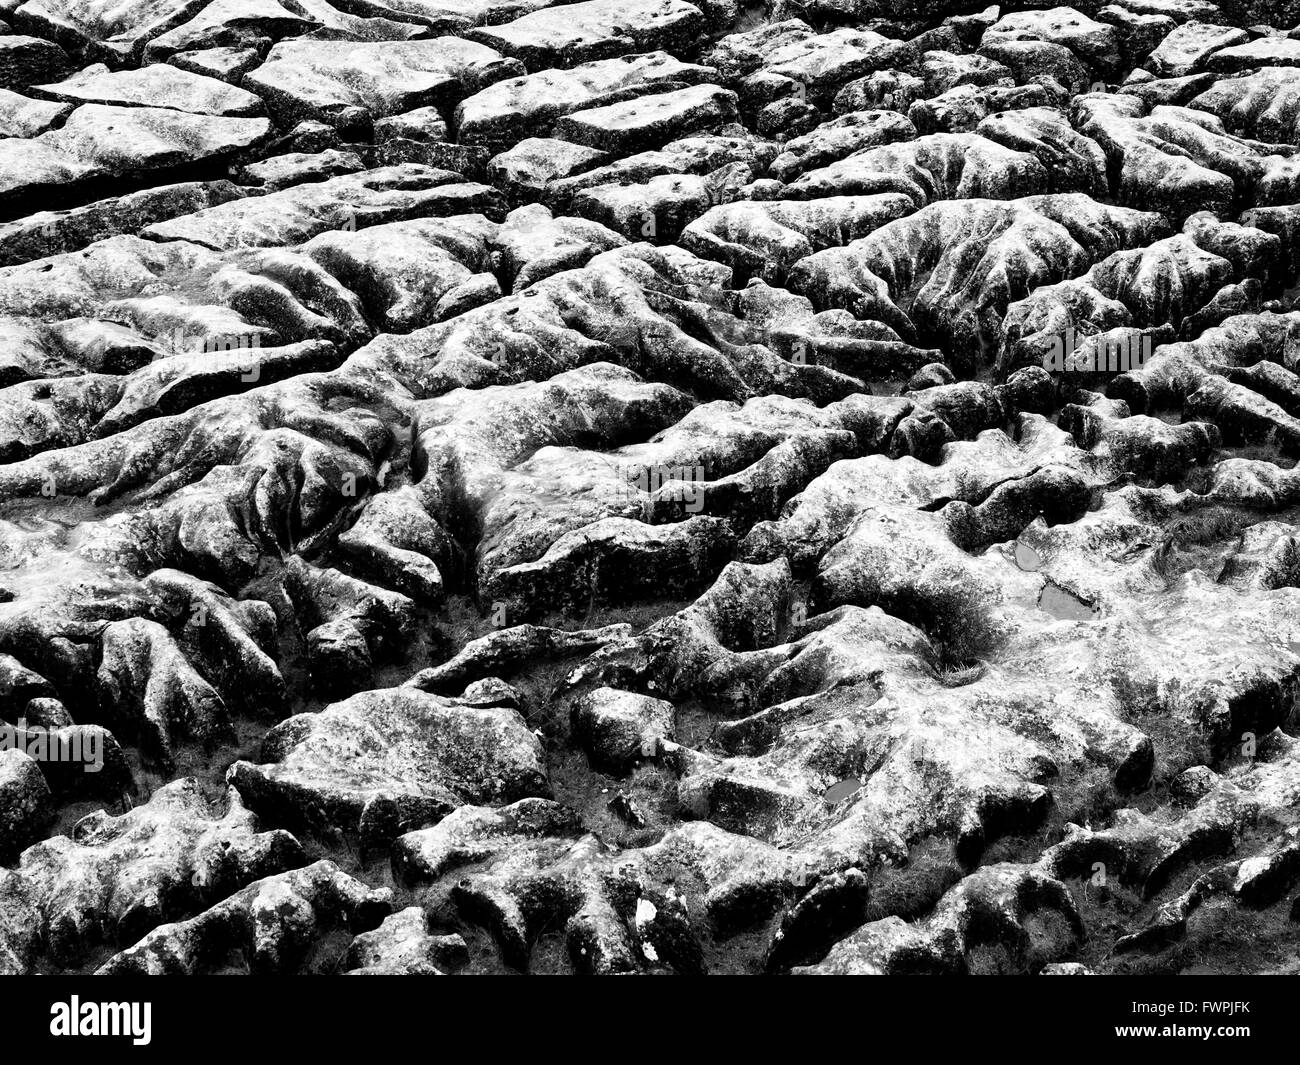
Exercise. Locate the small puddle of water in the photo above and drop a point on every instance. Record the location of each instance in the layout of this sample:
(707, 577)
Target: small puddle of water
(1067, 606)
(842, 790)
(1027, 558)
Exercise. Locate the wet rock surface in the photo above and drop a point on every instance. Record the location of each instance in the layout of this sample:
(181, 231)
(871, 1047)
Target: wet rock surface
(649, 486)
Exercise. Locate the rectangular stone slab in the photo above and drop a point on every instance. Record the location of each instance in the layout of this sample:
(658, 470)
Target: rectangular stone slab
(648, 121)
(319, 79)
(105, 28)
(595, 29)
(452, 16)
(296, 214)
(528, 106)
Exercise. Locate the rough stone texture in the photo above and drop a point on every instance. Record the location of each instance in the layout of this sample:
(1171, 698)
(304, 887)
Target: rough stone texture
(21, 116)
(50, 232)
(380, 762)
(156, 84)
(529, 106)
(30, 60)
(402, 946)
(616, 729)
(271, 924)
(646, 486)
(648, 121)
(24, 800)
(595, 29)
(115, 878)
(347, 83)
(100, 142)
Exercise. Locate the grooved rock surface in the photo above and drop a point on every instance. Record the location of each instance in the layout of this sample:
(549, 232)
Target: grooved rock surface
(638, 486)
